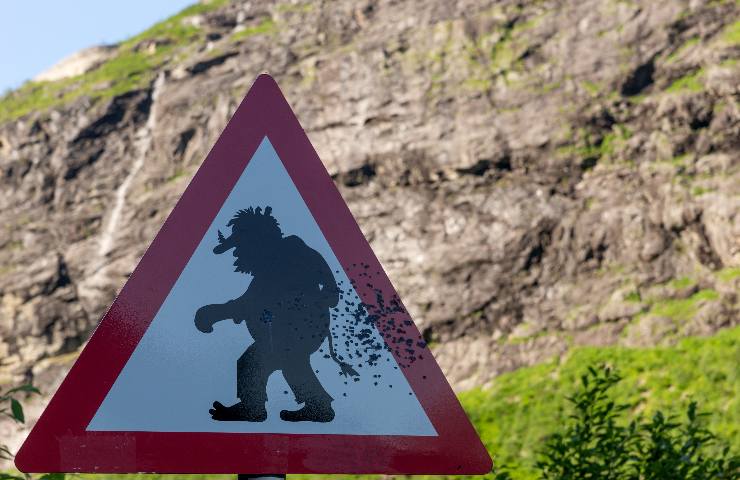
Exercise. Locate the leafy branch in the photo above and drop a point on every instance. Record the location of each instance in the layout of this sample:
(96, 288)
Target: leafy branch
(12, 408)
(9, 404)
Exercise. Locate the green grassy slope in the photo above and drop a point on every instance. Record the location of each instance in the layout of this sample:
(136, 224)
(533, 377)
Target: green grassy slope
(522, 407)
(132, 66)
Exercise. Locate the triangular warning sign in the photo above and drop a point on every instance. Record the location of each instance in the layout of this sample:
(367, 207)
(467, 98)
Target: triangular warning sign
(258, 334)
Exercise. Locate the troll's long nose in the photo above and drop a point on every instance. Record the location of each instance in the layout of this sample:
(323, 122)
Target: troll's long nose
(223, 243)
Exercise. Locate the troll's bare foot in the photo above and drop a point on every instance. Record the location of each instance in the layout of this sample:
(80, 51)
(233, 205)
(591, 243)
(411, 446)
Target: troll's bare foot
(311, 412)
(239, 412)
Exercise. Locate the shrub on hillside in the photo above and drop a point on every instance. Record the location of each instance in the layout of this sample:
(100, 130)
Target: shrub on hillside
(596, 443)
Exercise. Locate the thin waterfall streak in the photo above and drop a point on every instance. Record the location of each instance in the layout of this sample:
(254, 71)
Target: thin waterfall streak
(143, 143)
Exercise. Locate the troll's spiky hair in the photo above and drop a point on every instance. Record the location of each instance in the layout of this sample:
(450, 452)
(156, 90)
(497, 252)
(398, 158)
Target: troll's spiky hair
(253, 220)
(250, 223)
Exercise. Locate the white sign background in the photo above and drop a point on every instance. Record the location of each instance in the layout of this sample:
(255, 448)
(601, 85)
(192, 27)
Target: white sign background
(176, 372)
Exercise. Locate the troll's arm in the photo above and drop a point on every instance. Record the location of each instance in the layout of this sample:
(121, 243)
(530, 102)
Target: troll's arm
(237, 309)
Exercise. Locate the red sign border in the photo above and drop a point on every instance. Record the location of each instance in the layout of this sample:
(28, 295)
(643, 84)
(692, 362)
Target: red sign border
(59, 442)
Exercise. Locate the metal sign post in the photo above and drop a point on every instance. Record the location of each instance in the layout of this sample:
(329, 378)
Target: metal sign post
(243, 476)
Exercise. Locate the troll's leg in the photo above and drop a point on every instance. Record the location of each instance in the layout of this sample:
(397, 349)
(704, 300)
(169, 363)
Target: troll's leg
(252, 371)
(308, 390)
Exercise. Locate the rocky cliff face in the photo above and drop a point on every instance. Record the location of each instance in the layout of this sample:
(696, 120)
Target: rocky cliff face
(532, 175)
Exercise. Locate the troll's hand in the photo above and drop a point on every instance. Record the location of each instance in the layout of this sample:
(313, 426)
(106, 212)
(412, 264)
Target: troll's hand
(205, 318)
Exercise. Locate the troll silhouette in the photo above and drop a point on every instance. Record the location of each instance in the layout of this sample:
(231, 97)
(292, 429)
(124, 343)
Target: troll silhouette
(287, 311)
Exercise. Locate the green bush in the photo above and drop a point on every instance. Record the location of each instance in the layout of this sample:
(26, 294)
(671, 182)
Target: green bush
(521, 408)
(596, 442)
(593, 444)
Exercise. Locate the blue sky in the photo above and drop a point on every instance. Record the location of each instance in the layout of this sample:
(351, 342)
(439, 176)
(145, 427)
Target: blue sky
(35, 34)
